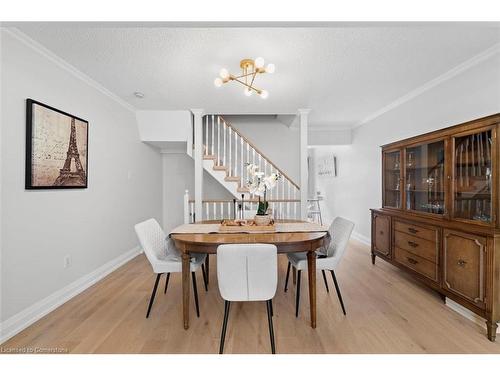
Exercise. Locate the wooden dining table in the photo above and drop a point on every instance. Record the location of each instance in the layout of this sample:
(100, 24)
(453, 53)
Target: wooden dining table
(288, 242)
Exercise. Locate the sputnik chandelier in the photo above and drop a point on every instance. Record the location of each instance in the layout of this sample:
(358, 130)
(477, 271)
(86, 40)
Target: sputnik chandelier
(249, 70)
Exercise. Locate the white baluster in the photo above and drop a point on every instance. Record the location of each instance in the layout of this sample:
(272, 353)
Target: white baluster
(191, 212)
(206, 135)
(218, 140)
(241, 161)
(207, 210)
(213, 134)
(229, 164)
(224, 130)
(253, 157)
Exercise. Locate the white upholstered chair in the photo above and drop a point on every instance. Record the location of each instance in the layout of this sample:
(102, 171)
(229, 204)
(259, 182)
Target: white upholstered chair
(165, 258)
(327, 258)
(247, 272)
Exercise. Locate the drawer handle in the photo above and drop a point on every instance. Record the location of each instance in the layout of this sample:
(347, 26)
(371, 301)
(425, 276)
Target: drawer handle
(412, 244)
(412, 230)
(412, 261)
(461, 263)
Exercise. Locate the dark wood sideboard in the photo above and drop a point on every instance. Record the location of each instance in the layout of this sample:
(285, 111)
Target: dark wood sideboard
(439, 219)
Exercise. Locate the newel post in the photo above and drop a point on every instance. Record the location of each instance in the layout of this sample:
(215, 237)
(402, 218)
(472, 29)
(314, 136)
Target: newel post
(304, 178)
(198, 162)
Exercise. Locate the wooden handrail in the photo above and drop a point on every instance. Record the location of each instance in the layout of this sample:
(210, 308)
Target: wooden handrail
(260, 152)
(246, 200)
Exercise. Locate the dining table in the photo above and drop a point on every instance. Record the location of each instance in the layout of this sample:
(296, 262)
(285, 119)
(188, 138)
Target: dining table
(288, 238)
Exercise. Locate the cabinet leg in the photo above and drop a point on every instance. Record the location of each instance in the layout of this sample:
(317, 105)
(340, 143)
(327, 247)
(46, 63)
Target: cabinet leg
(443, 297)
(492, 330)
(373, 258)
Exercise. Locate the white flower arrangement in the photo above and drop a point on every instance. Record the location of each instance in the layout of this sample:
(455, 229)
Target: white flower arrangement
(258, 184)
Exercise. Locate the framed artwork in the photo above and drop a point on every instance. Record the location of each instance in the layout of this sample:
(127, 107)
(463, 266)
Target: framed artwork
(56, 148)
(327, 166)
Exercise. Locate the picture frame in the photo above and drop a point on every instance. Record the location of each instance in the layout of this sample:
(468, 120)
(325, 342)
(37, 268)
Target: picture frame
(56, 148)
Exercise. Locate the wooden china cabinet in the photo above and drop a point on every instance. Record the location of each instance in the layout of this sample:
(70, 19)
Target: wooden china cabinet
(439, 219)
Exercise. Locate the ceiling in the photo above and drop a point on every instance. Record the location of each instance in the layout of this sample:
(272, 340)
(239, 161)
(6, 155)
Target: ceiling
(343, 73)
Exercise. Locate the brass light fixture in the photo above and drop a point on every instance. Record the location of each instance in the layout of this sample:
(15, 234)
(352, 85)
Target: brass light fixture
(249, 70)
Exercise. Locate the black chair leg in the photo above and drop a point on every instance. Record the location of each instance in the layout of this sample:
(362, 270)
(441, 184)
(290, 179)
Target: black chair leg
(270, 320)
(195, 290)
(205, 281)
(287, 276)
(338, 291)
(271, 304)
(151, 300)
(166, 282)
(299, 274)
(324, 279)
(227, 304)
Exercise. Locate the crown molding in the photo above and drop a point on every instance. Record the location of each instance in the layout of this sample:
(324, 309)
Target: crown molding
(486, 54)
(37, 47)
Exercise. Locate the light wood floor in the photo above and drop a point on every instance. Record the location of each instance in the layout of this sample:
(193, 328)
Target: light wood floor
(386, 313)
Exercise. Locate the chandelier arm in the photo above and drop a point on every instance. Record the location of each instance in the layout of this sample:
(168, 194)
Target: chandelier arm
(258, 91)
(253, 78)
(248, 74)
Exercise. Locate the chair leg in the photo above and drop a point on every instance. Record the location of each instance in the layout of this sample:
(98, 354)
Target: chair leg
(287, 276)
(207, 268)
(195, 290)
(270, 320)
(271, 304)
(299, 273)
(166, 282)
(227, 304)
(151, 300)
(324, 279)
(338, 291)
(205, 277)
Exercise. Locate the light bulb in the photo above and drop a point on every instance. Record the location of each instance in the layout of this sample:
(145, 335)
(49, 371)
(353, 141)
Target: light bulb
(218, 82)
(224, 73)
(248, 92)
(259, 62)
(264, 94)
(270, 68)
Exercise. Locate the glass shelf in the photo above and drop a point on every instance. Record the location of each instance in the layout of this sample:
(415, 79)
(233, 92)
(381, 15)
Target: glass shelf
(472, 192)
(425, 182)
(392, 179)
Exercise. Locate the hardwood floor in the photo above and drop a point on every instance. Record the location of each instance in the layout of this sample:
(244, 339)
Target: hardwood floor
(386, 313)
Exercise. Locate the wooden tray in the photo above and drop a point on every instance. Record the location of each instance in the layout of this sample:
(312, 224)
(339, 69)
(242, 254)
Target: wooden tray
(249, 228)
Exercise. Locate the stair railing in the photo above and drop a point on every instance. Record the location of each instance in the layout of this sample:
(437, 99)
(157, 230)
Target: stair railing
(234, 151)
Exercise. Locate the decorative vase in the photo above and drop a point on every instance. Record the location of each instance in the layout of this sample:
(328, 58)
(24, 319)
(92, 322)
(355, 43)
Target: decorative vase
(262, 220)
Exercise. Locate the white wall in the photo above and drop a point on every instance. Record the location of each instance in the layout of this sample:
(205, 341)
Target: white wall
(278, 142)
(471, 94)
(178, 176)
(164, 126)
(94, 225)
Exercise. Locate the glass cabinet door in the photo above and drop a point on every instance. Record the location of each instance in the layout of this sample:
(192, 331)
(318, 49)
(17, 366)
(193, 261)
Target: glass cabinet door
(472, 182)
(392, 179)
(425, 183)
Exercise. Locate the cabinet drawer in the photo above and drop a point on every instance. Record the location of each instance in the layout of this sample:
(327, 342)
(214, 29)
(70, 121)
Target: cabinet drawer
(415, 230)
(416, 263)
(423, 248)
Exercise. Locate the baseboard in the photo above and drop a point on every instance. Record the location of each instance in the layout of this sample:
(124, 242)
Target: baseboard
(466, 313)
(361, 238)
(30, 315)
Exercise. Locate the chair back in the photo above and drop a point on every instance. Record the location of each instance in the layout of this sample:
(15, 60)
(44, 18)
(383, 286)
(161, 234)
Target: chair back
(340, 232)
(247, 272)
(153, 240)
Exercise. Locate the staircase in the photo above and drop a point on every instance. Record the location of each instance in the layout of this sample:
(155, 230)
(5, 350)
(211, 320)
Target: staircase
(226, 154)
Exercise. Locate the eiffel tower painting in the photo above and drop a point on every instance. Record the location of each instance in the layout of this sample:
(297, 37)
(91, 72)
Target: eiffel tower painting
(67, 177)
(56, 148)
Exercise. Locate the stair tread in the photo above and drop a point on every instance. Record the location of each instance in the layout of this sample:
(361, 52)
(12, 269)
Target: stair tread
(209, 157)
(232, 178)
(219, 168)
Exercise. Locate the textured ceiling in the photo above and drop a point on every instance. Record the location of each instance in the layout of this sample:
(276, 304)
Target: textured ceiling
(343, 73)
